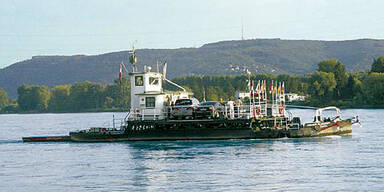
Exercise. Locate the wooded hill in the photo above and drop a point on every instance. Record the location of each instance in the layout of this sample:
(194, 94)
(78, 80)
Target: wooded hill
(273, 56)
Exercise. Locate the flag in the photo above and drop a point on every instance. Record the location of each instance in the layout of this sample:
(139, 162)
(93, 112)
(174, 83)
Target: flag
(279, 89)
(258, 87)
(275, 88)
(282, 88)
(262, 86)
(265, 90)
(265, 86)
(204, 95)
(271, 87)
(251, 85)
(121, 72)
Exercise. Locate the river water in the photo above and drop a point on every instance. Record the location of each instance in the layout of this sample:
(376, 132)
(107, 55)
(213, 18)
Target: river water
(343, 163)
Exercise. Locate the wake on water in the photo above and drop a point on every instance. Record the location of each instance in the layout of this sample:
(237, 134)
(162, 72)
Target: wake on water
(10, 141)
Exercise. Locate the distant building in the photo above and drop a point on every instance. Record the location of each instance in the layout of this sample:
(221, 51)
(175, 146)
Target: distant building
(294, 97)
(242, 95)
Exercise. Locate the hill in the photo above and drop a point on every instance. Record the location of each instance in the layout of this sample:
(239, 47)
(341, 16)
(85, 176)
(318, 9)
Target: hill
(227, 57)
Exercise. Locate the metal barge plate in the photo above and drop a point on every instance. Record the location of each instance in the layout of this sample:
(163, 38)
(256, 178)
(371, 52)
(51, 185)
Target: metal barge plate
(47, 138)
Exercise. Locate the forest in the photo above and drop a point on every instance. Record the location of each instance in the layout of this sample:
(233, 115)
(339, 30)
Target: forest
(329, 85)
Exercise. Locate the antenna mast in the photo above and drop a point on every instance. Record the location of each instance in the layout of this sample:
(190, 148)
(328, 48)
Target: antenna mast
(133, 60)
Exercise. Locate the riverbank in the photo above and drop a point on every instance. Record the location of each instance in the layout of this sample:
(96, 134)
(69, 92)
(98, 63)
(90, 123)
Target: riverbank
(293, 105)
(81, 111)
(339, 104)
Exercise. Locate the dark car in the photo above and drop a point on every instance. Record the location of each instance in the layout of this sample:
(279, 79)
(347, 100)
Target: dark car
(209, 110)
(185, 108)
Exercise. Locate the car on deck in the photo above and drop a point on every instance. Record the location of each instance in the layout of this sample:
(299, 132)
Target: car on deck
(209, 110)
(185, 108)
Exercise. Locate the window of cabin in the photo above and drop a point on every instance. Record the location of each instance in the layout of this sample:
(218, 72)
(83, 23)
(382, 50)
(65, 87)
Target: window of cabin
(139, 81)
(150, 102)
(153, 81)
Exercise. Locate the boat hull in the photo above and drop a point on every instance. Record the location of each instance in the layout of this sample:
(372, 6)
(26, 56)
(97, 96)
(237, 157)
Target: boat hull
(211, 130)
(324, 129)
(198, 134)
(47, 138)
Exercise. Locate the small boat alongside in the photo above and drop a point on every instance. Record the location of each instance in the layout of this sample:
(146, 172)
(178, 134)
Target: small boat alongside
(323, 126)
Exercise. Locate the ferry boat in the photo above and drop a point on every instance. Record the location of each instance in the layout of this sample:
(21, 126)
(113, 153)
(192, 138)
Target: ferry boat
(150, 115)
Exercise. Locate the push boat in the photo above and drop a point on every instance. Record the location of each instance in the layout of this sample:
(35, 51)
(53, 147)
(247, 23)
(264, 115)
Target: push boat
(261, 114)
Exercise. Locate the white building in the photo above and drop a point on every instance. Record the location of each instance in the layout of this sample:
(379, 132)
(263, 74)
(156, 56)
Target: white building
(294, 97)
(242, 95)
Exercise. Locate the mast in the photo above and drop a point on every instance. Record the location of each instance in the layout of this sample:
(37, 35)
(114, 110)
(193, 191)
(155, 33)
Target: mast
(133, 59)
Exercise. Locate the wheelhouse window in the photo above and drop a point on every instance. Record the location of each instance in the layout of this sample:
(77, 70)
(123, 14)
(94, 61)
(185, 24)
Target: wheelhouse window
(139, 81)
(153, 81)
(150, 102)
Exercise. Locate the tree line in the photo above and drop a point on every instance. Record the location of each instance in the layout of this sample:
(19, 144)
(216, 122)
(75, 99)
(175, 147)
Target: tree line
(329, 85)
(79, 97)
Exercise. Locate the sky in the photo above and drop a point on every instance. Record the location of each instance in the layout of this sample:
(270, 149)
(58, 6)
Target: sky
(90, 27)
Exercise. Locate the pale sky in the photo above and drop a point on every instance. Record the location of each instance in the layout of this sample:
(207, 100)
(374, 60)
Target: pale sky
(68, 27)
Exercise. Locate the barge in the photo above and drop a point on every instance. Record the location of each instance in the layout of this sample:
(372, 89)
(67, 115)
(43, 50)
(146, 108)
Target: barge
(261, 115)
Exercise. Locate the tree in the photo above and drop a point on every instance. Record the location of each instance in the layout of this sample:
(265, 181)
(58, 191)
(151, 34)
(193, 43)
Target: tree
(60, 98)
(323, 85)
(337, 68)
(212, 94)
(373, 85)
(24, 100)
(86, 95)
(42, 95)
(33, 97)
(108, 102)
(96, 95)
(112, 96)
(3, 99)
(378, 65)
(119, 92)
(349, 87)
(357, 89)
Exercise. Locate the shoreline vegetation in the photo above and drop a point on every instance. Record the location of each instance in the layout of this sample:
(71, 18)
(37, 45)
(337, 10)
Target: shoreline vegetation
(329, 85)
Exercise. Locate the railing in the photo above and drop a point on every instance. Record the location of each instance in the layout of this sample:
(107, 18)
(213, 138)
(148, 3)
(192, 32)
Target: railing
(226, 111)
(146, 114)
(120, 121)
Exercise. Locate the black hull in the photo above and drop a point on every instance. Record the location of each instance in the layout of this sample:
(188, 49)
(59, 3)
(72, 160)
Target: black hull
(184, 130)
(207, 130)
(159, 135)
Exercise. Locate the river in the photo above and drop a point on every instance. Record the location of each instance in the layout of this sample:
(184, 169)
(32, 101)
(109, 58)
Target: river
(352, 162)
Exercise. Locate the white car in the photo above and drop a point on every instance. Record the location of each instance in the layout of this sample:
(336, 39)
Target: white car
(185, 108)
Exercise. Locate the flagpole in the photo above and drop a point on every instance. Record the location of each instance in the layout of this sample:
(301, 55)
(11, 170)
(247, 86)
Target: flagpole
(278, 98)
(259, 95)
(283, 98)
(265, 97)
(276, 106)
(253, 101)
(250, 97)
(273, 99)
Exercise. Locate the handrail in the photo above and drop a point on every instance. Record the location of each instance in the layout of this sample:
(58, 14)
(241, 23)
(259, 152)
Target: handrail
(169, 81)
(236, 112)
(127, 116)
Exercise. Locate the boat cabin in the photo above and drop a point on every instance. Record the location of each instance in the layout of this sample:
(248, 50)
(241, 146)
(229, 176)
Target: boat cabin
(148, 99)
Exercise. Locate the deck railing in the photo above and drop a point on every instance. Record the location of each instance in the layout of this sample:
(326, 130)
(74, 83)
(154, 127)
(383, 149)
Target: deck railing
(227, 112)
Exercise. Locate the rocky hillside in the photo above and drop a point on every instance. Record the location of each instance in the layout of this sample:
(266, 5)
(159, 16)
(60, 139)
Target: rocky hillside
(227, 57)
